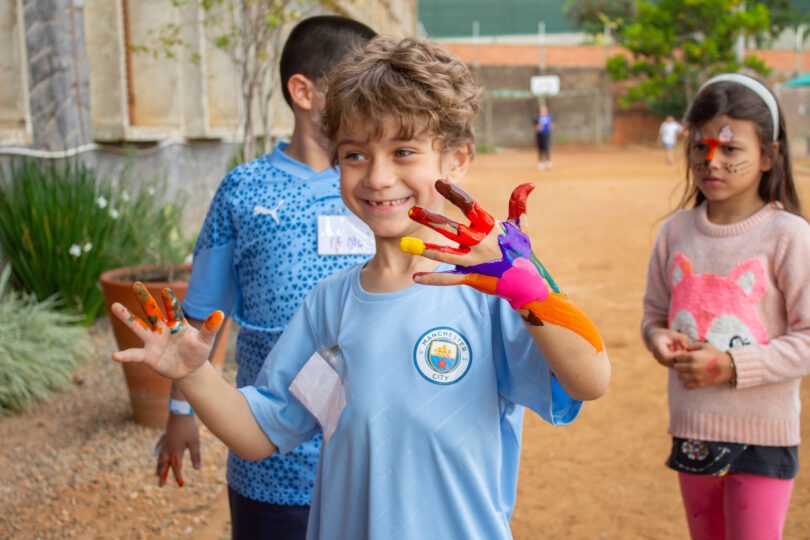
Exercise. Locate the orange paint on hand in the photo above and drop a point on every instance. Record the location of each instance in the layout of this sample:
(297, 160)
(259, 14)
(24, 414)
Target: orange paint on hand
(150, 307)
(138, 320)
(214, 321)
(481, 282)
(180, 481)
(174, 313)
(165, 474)
(558, 309)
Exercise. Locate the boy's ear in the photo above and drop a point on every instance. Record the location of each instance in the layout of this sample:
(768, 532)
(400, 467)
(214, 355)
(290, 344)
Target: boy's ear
(457, 161)
(302, 91)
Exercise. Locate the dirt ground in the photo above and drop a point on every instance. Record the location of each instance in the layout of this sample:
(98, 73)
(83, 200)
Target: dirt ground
(78, 468)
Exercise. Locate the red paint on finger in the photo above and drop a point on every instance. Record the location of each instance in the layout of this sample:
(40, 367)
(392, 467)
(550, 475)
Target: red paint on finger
(481, 221)
(177, 477)
(461, 250)
(437, 222)
(165, 474)
(517, 201)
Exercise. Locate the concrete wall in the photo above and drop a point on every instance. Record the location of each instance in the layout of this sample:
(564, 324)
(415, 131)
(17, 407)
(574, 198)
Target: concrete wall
(582, 110)
(72, 86)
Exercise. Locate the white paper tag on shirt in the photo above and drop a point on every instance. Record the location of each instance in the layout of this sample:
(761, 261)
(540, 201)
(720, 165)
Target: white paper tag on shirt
(344, 235)
(319, 388)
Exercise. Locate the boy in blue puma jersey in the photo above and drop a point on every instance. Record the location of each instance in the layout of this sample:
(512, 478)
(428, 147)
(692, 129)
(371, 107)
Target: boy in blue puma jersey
(257, 256)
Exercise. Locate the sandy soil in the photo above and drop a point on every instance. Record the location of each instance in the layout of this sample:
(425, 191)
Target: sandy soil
(78, 468)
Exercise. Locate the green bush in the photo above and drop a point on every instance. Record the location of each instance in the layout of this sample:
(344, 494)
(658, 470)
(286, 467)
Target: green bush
(62, 225)
(40, 348)
(55, 223)
(148, 231)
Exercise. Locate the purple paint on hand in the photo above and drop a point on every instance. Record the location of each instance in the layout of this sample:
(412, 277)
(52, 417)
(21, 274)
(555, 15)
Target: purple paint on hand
(514, 244)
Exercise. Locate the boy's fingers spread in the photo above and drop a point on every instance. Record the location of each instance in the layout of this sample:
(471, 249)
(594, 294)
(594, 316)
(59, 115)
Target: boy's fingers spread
(517, 206)
(415, 246)
(150, 308)
(174, 313)
(177, 469)
(164, 474)
(441, 224)
(211, 326)
(481, 221)
(438, 278)
(129, 355)
(140, 328)
(196, 457)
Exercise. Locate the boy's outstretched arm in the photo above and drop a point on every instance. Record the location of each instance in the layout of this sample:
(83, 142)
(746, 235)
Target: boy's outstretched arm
(176, 350)
(496, 258)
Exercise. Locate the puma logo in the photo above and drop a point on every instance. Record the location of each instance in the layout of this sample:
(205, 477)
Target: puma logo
(260, 210)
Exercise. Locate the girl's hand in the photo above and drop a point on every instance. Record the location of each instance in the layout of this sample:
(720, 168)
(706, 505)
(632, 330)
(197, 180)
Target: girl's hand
(703, 365)
(496, 257)
(666, 345)
(171, 347)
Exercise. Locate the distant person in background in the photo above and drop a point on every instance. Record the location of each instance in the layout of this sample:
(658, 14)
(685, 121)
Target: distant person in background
(542, 128)
(668, 134)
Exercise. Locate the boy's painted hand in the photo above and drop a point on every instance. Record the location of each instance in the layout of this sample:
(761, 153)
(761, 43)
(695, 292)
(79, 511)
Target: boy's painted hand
(171, 347)
(496, 258)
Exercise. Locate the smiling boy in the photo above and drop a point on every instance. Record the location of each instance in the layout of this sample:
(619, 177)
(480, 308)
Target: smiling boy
(422, 424)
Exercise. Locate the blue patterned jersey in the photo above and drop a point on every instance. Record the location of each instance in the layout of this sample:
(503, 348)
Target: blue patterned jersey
(256, 259)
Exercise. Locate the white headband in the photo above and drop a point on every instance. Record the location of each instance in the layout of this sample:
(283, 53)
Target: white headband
(755, 86)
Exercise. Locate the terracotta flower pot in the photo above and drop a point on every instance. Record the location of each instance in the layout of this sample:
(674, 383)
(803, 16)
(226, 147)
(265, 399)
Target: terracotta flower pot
(148, 392)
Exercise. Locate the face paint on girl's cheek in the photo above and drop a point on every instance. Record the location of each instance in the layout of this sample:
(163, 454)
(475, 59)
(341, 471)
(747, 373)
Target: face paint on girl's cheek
(738, 168)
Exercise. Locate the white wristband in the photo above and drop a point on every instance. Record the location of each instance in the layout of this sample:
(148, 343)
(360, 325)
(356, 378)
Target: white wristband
(177, 406)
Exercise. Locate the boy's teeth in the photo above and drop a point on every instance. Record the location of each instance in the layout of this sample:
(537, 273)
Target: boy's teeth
(387, 203)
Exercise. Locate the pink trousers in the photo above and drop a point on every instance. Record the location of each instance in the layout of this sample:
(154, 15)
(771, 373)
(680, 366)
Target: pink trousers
(735, 506)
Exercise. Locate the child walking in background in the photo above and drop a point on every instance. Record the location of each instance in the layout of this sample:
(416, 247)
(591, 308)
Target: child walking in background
(727, 311)
(668, 134)
(276, 227)
(415, 384)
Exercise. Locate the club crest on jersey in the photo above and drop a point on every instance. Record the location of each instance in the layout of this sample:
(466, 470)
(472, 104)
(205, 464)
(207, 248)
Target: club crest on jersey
(442, 356)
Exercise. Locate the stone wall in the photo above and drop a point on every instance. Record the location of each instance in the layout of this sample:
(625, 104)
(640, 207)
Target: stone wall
(58, 74)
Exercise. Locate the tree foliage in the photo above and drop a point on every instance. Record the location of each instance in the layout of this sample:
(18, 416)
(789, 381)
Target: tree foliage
(598, 17)
(672, 46)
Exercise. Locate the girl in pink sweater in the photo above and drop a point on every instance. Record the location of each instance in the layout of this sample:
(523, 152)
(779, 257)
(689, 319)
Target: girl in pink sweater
(727, 312)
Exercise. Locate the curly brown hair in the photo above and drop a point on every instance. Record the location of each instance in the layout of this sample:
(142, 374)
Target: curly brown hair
(427, 90)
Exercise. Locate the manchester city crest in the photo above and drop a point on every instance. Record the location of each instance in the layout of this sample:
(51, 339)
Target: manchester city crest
(442, 356)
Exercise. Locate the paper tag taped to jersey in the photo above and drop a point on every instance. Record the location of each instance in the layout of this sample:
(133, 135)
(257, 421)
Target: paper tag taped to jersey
(344, 235)
(320, 389)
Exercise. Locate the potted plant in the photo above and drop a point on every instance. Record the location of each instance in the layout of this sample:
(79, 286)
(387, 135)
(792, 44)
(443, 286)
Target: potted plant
(64, 228)
(151, 249)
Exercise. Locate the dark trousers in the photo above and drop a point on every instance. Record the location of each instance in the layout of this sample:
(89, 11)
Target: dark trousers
(255, 520)
(544, 146)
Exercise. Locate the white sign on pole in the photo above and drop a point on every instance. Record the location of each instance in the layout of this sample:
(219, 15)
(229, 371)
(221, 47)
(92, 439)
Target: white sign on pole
(545, 85)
